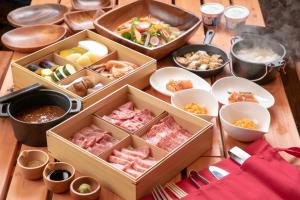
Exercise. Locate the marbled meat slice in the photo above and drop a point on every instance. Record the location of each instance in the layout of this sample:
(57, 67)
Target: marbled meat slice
(117, 160)
(138, 167)
(119, 166)
(142, 152)
(133, 172)
(124, 155)
(146, 163)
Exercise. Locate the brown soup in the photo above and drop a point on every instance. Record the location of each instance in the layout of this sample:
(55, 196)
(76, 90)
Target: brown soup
(40, 114)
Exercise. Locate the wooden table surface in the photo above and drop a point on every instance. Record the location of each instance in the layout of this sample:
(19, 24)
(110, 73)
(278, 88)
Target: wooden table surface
(283, 131)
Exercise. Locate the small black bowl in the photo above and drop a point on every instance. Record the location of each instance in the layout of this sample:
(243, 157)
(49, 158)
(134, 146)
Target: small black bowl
(34, 134)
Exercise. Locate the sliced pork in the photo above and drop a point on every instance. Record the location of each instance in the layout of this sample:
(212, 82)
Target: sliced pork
(128, 117)
(134, 161)
(167, 134)
(93, 139)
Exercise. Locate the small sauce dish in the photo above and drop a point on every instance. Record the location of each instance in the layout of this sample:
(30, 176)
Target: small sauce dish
(93, 185)
(32, 163)
(58, 176)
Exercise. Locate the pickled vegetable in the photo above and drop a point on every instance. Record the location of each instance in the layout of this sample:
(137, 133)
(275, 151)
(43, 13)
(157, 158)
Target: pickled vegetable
(84, 188)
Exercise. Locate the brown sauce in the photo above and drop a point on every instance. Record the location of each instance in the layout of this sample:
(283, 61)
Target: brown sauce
(40, 114)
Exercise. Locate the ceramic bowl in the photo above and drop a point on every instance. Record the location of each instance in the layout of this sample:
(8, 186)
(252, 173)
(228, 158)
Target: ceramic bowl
(223, 86)
(236, 111)
(95, 188)
(58, 186)
(187, 22)
(202, 97)
(161, 77)
(32, 163)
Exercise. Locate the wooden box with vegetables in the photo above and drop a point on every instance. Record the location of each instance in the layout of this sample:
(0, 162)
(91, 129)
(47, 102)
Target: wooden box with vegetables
(85, 66)
(130, 141)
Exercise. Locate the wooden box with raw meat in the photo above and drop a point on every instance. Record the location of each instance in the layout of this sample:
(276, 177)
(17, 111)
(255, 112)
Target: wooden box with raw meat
(147, 141)
(85, 66)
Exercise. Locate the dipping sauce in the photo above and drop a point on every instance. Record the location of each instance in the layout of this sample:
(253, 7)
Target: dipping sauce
(40, 114)
(59, 175)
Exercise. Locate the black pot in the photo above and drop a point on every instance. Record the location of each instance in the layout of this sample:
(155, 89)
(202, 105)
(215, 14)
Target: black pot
(34, 134)
(210, 49)
(256, 72)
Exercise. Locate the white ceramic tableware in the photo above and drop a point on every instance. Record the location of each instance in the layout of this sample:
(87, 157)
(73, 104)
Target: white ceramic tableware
(161, 77)
(202, 97)
(223, 86)
(240, 110)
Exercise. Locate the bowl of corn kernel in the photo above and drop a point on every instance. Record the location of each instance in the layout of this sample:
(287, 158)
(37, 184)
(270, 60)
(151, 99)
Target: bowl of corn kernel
(196, 101)
(245, 121)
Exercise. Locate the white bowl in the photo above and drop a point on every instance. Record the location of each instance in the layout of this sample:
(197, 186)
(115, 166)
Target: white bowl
(161, 77)
(181, 98)
(236, 111)
(221, 88)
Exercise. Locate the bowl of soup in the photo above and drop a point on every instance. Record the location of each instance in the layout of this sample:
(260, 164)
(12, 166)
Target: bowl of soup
(34, 113)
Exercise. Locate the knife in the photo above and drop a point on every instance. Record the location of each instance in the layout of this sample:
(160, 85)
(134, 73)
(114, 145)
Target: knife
(238, 155)
(218, 172)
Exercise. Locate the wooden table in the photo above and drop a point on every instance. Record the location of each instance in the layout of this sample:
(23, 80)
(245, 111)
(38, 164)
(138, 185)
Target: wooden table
(283, 132)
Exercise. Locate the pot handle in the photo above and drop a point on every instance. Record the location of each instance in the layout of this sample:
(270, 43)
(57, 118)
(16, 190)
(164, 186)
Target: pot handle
(277, 64)
(254, 80)
(77, 104)
(3, 109)
(235, 39)
(208, 37)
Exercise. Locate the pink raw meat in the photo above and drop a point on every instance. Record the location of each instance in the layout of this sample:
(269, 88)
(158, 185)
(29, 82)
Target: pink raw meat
(133, 172)
(114, 159)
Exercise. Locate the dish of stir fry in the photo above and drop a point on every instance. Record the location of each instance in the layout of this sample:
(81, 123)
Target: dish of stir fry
(148, 31)
(241, 96)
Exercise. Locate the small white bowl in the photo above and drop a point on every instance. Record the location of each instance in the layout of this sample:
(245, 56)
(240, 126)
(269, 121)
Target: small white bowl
(181, 98)
(161, 77)
(236, 111)
(222, 86)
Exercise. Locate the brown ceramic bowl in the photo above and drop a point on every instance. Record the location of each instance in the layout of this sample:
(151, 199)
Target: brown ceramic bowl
(95, 188)
(32, 163)
(177, 17)
(58, 186)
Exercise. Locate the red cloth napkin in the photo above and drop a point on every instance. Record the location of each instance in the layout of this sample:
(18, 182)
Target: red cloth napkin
(265, 175)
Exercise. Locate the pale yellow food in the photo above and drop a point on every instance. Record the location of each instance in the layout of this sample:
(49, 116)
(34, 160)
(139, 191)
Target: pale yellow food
(195, 108)
(245, 123)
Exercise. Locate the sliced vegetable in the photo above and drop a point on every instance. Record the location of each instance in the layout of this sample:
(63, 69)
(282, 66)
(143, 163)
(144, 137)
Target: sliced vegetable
(127, 35)
(47, 64)
(59, 73)
(154, 41)
(49, 78)
(46, 72)
(69, 70)
(54, 77)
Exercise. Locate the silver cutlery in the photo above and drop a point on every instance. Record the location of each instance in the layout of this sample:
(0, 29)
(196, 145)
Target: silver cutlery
(194, 173)
(217, 172)
(176, 190)
(238, 155)
(159, 193)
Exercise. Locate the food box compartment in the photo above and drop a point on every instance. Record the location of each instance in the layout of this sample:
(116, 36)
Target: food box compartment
(23, 77)
(119, 182)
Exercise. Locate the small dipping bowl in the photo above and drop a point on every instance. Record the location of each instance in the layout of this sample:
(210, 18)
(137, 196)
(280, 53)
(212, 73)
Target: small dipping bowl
(32, 163)
(212, 13)
(95, 188)
(62, 185)
(235, 15)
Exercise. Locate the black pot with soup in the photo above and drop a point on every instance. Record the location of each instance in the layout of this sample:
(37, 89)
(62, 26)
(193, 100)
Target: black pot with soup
(256, 58)
(32, 114)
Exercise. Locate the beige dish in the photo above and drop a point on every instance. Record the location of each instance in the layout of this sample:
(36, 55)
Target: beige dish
(32, 163)
(95, 188)
(58, 186)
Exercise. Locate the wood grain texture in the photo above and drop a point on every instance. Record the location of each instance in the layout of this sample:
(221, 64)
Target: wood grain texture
(6, 57)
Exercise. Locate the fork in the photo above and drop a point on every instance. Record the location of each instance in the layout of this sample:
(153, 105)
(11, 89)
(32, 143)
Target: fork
(159, 193)
(176, 190)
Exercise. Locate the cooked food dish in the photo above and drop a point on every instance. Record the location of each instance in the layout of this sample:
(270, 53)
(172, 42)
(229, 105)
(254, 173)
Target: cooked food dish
(114, 69)
(40, 114)
(83, 86)
(134, 161)
(174, 86)
(86, 53)
(241, 96)
(257, 54)
(195, 108)
(128, 117)
(148, 31)
(52, 71)
(167, 134)
(93, 139)
(245, 123)
(200, 60)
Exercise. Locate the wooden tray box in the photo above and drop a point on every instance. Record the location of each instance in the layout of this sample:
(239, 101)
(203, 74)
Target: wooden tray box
(126, 186)
(23, 77)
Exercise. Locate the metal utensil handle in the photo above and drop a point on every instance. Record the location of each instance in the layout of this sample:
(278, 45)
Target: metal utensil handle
(209, 37)
(77, 104)
(3, 110)
(235, 39)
